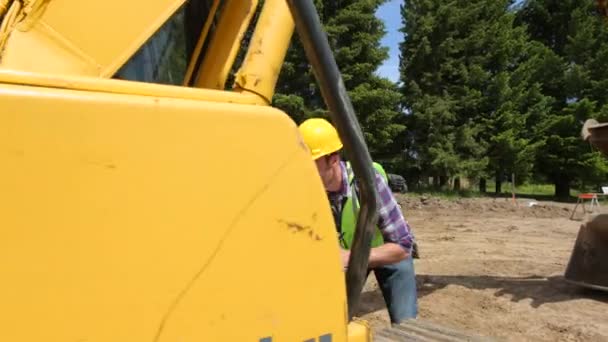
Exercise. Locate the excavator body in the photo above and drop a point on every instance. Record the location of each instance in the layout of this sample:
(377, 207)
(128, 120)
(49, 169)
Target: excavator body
(144, 199)
(141, 198)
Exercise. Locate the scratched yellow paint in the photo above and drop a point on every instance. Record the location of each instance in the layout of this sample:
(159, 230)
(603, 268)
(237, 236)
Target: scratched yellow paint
(119, 213)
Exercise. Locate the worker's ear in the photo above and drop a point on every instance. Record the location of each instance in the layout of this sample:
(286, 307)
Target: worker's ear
(333, 159)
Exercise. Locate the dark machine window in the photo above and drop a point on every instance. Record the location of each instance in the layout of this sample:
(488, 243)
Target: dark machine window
(165, 57)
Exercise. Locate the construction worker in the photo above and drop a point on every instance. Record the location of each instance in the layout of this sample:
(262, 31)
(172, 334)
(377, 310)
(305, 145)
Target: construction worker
(391, 253)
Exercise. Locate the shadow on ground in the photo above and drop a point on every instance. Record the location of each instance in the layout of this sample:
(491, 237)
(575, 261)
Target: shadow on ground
(541, 290)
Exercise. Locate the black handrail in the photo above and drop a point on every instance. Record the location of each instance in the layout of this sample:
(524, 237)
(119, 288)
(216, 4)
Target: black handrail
(320, 56)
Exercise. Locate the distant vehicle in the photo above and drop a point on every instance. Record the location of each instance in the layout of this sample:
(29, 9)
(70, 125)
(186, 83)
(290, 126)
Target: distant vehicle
(397, 183)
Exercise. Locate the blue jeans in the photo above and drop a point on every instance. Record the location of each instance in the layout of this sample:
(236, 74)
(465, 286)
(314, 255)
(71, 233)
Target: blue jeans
(398, 285)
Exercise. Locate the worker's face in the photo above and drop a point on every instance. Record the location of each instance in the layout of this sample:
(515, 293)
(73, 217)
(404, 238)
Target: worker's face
(329, 170)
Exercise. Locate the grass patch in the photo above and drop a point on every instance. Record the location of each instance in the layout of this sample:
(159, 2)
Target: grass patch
(446, 194)
(540, 190)
(537, 191)
(528, 189)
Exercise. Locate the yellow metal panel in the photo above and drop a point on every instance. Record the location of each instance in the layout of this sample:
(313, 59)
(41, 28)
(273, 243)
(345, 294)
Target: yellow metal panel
(130, 218)
(127, 87)
(43, 50)
(225, 44)
(267, 49)
(86, 37)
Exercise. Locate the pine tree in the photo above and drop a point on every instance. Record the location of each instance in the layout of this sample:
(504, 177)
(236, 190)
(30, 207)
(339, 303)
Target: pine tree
(573, 74)
(467, 87)
(427, 62)
(354, 34)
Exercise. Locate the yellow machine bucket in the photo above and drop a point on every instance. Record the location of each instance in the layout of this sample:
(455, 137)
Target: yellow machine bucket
(588, 265)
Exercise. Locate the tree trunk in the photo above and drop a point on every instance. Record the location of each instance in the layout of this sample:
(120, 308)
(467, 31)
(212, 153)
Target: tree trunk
(498, 183)
(436, 182)
(457, 184)
(443, 180)
(482, 185)
(562, 188)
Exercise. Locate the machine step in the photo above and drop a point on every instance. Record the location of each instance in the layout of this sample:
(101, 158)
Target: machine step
(425, 331)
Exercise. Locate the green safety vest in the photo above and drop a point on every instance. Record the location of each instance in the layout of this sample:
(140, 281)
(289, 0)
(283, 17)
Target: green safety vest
(350, 212)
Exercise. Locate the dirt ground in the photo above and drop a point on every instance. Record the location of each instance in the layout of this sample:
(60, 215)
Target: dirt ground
(494, 268)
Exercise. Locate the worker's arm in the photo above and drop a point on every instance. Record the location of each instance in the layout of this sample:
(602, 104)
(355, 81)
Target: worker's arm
(395, 229)
(387, 254)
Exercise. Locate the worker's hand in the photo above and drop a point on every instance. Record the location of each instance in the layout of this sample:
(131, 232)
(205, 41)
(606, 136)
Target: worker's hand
(345, 257)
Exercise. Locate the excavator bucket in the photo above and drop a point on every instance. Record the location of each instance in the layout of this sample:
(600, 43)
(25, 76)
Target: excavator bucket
(588, 265)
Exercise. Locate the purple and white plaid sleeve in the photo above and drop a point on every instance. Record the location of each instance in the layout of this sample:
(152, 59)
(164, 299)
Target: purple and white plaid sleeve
(393, 225)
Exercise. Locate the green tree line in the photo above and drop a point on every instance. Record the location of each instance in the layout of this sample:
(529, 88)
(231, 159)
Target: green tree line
(487, 88)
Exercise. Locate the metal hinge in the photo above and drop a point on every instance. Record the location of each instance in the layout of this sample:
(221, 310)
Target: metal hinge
(20, 15)
(31, 11)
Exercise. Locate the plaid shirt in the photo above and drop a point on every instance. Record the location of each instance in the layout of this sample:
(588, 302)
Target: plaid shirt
(391, 222)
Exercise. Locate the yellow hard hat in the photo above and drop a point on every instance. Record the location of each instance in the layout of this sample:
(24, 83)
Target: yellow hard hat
(320, 137)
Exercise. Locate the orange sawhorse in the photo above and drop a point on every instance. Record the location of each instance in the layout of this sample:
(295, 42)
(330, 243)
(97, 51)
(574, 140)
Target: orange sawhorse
(581, 201)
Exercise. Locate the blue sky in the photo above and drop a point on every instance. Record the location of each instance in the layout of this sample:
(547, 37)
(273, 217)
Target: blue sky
(390, 14)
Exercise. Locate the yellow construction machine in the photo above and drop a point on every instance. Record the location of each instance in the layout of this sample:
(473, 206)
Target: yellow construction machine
(141, 200)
